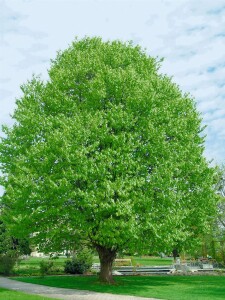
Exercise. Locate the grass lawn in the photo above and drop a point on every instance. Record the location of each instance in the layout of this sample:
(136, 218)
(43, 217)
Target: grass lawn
(162, 287)
(152, 261)
(13, 295)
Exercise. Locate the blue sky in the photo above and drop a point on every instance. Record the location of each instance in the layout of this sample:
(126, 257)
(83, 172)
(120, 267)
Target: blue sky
(190, 35)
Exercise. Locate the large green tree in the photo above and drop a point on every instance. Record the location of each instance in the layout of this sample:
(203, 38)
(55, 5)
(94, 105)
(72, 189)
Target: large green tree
(107, 150)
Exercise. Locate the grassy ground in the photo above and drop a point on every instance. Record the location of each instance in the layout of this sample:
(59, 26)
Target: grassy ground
(30, 266)
(12, 295)
(163, 287)
(152, 261)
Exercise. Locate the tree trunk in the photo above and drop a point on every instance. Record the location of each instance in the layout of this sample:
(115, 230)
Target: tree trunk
(106, 257)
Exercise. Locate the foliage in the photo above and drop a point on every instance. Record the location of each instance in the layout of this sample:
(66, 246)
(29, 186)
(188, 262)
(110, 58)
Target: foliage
(75, 266)
(23, 246)
(80, 263)
(6, 242)
(45, 267)
(160, 287)
(7, 263)
(8, 251)
(11, 245)
(85, 255)
(214, 242)
(220, 221)
(107, 150)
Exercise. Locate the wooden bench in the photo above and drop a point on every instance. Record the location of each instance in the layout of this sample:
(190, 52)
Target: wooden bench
(122, 262)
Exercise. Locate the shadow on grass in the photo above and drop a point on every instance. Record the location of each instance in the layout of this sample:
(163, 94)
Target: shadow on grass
(3, 290)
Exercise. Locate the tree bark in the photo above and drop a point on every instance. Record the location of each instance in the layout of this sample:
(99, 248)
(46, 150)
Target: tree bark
(106, 257)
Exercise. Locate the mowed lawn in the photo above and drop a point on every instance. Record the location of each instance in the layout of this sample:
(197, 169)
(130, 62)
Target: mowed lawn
(192, 287)
(152, 261)
(13, 295)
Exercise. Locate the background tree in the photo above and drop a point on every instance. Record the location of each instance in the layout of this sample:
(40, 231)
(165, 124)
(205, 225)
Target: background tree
(221, 203)
(6, 242)
(213, 240)
(10, 245)
(213, 243)
(108, 150)
(220, 221)
(10, 249)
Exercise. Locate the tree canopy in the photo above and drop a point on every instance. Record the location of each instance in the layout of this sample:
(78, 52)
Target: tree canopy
(109, 150)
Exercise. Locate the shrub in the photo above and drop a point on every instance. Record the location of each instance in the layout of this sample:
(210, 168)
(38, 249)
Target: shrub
(45, 267)
(7, 263)
(79, 263)
(85, 255)
(74, 266)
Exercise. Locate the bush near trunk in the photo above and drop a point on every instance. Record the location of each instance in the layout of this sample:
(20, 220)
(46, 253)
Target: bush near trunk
(80, 263)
